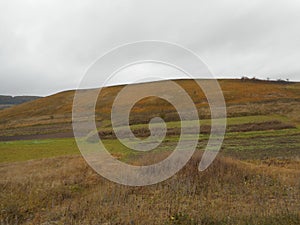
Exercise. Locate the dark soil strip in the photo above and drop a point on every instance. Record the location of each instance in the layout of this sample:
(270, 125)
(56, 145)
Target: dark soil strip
(36, 136)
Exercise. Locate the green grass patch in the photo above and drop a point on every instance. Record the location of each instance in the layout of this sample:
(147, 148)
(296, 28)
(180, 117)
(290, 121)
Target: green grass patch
(36, 149)
(15, 151)
(255, 144)
(230, 121)
(267, 133)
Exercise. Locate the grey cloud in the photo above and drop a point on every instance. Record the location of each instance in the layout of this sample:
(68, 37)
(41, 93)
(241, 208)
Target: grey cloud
(46, 46)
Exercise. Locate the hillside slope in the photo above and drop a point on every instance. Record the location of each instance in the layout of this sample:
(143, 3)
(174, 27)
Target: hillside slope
(243, 98)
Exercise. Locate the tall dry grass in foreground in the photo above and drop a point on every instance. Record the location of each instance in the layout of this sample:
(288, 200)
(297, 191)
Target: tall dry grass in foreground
(66, 191)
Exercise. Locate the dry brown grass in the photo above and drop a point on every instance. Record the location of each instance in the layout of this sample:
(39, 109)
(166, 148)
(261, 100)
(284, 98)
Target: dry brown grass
(66, 191)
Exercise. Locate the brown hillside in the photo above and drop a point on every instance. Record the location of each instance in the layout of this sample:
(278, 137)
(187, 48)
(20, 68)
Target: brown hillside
(242, 98)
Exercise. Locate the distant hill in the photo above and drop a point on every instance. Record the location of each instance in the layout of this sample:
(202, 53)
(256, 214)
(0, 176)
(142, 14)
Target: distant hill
(7, 101)
(10, 100)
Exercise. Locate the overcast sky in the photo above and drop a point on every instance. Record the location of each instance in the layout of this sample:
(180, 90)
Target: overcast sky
(47, 45)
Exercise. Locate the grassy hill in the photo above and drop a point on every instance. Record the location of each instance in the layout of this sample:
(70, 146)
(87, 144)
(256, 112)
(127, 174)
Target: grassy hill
(53, 114)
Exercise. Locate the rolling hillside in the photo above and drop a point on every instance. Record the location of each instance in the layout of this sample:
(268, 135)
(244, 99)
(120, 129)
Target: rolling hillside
(53, 114)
